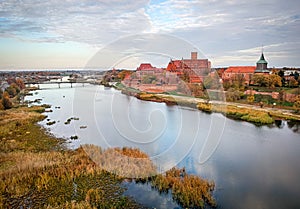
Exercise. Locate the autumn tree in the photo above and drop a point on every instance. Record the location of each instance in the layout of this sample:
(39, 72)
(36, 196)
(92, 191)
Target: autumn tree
(7, 104)
(233, 95)
(20, 83)
(185, 76)
(274, 80)
(238, 82)
(212, 82)
(267, 80)
(124, 73)
(148, 79)
(250, 98)
(197, 90)
(260, 80)
(297, 104)
(293, 82)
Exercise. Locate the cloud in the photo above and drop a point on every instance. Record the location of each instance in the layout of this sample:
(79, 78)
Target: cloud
(279, 55)
(83, 21)
(222, 29)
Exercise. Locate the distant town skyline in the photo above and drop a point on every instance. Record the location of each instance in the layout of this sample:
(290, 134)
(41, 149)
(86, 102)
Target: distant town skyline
(67, 34)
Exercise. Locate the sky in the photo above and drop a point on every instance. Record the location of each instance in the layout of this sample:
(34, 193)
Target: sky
(73, 34)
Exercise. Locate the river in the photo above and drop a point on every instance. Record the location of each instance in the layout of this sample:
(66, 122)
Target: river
(253, 167)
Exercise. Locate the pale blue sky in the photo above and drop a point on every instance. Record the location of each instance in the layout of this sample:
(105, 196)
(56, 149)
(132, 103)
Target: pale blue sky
(66, 34)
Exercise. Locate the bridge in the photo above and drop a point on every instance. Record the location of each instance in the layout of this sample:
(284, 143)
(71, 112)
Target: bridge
(71, 82)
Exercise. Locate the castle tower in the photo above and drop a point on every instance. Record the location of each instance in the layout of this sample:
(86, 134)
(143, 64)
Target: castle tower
(194, 55)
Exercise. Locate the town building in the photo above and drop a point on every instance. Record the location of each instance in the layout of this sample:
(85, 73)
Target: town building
(195, 69)
(239, 72)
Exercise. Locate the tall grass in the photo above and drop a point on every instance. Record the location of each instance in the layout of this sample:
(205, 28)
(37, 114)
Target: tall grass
(37, 172)
(189, 191)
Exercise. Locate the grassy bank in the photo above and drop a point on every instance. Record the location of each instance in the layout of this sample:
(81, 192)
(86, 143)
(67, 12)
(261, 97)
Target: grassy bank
(240, 112)
(37, 172)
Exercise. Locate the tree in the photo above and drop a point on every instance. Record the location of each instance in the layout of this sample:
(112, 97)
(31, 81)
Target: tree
(274, 80)
(7, 104)
(233, 95)
(11, 91)
(197, 90)
(267, 80)
(260, 80)
(20, 83)
(296, 75)
(250, 98)
(212, 82)
(293, 82)
(185, 76)
(148, 79)
(238, 82)
(297, 104)
(281, 73)
(1, 105)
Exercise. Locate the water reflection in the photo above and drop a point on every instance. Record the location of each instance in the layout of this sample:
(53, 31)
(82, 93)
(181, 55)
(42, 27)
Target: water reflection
(294, 125)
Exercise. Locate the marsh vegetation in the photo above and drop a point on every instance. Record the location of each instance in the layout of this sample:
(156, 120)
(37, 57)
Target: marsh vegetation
(37, 171)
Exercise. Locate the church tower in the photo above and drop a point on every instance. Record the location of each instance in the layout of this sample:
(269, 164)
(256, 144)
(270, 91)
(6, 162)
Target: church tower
(262, 65)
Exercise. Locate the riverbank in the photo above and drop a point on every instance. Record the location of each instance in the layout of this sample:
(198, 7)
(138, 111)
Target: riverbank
(37, 171)
(244, 112)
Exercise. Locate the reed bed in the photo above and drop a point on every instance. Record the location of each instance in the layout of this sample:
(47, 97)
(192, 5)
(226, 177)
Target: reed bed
(189, 191)
(37, 172)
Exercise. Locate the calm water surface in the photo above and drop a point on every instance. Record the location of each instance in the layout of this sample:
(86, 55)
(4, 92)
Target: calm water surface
(253, 167)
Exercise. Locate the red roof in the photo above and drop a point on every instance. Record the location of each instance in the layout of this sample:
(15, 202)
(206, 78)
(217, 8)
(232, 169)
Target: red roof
(175, 65)
(240, 69)
(145, 66)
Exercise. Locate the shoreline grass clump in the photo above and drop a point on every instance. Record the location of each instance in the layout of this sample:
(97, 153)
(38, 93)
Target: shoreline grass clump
(189, 191)
(125, 162)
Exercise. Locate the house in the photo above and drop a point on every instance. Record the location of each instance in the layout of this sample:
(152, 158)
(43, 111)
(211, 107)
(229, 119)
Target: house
(239, 72)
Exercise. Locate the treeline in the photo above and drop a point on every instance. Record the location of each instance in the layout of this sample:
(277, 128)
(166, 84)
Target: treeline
(8, 93)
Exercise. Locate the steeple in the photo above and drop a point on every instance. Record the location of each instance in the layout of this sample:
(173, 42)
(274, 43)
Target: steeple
(262, 59)
(262, 64)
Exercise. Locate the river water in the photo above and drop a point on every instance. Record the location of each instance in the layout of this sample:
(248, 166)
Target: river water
(253, 167)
